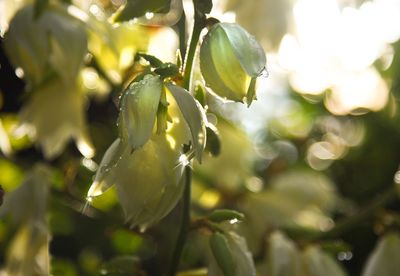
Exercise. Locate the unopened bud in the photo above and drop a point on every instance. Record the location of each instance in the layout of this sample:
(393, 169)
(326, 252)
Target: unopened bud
(230, 61)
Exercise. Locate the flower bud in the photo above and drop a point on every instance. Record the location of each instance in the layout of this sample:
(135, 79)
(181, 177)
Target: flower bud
(230, 62)
(222, 254)
(236, 255)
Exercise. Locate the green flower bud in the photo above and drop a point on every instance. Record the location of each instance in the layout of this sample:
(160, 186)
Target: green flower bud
(222, 254)
(221, 215)
(230, 62)
(138, 110)
(237, 256)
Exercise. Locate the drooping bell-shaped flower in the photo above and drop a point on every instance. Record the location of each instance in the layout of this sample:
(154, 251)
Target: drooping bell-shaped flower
(230, 61)
(28, 250)
(148, 180)
(55, 41)
(53, 115)
(42, 48)
(146, 163)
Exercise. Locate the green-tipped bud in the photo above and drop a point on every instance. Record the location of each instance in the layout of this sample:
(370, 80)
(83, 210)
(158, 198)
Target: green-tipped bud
(221, 215)
(230, 61)
(222, 254)
(138, 113)
(231, 256)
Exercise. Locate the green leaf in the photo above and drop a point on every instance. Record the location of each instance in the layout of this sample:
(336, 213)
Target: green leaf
(194, 115)
(121, 265)
(221, 215)
(39, 7)
(222, 253)
(200, 95)
(385, 258)
(126, 242)
(138, 110)
(138, 8)
(154, 62)
(167, 70)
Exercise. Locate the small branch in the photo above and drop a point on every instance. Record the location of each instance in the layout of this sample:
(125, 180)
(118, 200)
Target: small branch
(183, 231)
(95, 65)
(349, 223)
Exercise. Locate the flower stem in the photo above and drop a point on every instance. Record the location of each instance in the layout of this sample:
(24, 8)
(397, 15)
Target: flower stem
(198, 25)
(184, 229)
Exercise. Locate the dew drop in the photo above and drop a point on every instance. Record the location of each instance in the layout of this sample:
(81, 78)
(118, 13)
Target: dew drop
(19, 72)
(149, 15)
(142, 228)
(345, 256)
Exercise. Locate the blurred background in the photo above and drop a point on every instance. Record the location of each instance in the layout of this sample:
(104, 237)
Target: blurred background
(313, 163)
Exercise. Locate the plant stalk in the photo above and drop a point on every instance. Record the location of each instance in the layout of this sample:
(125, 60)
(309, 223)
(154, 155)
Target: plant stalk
(199, 24)
(184, 229)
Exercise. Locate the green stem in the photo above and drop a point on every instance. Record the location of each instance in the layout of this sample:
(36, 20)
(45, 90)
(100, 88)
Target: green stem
(199, 24)
(94, 63)
(184, 229)
(349, 223)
